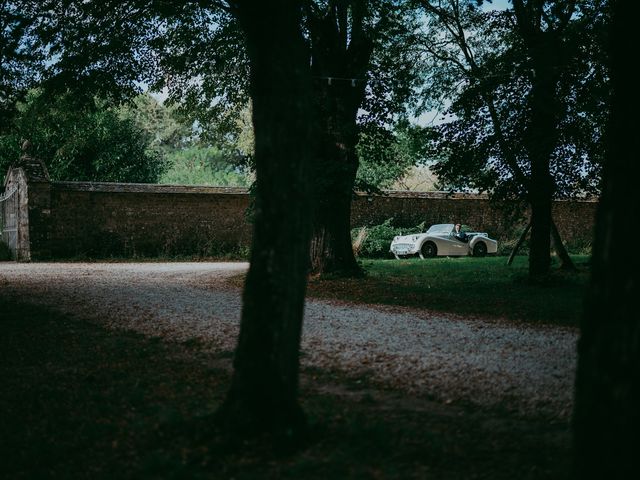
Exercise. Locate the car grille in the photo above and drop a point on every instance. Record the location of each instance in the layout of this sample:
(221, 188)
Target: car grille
(402, 246)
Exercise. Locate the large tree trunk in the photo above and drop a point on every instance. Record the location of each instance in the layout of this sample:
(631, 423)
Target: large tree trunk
(331, 247)
(340, 59)
(540, 246)
(540, 140)
(548, 57)
(263, 393)
(606, 421)
(337, 165)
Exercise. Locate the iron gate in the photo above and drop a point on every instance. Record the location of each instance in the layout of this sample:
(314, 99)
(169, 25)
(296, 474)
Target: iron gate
(9, 209)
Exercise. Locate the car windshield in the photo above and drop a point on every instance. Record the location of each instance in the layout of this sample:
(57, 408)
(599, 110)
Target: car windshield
(440, 229)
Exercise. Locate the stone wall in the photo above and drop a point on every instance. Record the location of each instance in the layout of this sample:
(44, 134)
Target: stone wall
(68, 219)
(101, 220)
(575, 219)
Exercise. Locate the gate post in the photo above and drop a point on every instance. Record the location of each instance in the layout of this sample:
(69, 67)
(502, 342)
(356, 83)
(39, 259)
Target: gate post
(14, 214)
(26, 214)
(9, 217)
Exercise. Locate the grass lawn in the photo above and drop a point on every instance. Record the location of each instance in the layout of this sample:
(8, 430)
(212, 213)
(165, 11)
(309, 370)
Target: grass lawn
(80, 401)
(469, 286)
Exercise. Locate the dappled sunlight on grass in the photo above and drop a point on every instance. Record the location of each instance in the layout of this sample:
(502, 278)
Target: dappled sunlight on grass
(484, 287)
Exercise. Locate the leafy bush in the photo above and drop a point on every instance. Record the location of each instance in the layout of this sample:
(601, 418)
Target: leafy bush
(507, 242)
(358, 237)
(579, 247)
(81, 139)
(204, 166)
(374, 241)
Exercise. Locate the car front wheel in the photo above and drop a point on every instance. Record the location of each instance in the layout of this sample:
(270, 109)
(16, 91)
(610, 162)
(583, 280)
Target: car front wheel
(480, 249)
(428, 250)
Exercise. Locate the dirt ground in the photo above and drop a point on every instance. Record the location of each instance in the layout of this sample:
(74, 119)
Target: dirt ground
(88, 394)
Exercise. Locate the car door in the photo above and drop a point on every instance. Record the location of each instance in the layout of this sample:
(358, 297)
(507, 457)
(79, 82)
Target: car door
(455, 247)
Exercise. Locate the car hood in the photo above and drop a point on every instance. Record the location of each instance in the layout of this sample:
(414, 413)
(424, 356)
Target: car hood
(407, 238)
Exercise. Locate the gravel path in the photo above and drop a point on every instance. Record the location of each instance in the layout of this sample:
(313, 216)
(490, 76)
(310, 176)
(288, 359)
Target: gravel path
(527, 369)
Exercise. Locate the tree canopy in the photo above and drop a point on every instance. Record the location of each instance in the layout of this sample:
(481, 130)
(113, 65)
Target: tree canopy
(81, 141)
(21, 54)
(479, 73)
(528, 99)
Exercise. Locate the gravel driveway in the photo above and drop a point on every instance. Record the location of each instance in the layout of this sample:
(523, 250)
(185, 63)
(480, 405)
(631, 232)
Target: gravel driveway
(526, 369)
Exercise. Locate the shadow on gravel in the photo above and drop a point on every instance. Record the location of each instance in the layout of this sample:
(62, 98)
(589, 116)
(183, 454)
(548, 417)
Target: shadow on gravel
(79, 401)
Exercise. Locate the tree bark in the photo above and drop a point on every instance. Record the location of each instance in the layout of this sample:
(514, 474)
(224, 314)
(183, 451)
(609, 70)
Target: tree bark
(565, 260)
(331, 247)
(540, 200)
(540, 140)
(547, 51)
(344, 58)
(519, 243)
(606, 422)
(263, 392)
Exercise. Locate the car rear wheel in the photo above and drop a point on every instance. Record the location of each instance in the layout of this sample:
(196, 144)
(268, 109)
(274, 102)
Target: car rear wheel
(480, 249)
(428, 250)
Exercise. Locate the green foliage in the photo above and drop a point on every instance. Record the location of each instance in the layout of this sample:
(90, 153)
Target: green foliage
(203, 166)
(21, 55)
(196, 52)
(9, 151)
(206, 43)
(81, 140)
(140, 141)
(97, 48)
(486, 77)
(580, 247)
(165, 127)
(173, 135)
(508, 241)
(374, 241)
(386, 156)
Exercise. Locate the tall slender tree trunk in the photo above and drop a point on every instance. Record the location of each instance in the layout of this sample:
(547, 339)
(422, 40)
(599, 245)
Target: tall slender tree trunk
(548, 53)
(606, 422)
(263, 393)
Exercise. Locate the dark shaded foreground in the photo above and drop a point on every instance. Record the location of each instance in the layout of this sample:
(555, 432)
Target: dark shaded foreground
(79, 401)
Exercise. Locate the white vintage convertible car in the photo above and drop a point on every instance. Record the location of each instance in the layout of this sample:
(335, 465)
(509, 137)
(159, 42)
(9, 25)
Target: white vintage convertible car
(441, 240)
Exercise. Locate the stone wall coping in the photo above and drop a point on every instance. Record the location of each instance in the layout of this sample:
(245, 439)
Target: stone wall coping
(437, 194)
(34, 169)
(112, 187)
(456, 196)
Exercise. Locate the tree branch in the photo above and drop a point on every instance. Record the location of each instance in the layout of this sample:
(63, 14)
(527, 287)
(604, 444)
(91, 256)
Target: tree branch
(446, 58)
(566, 14)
